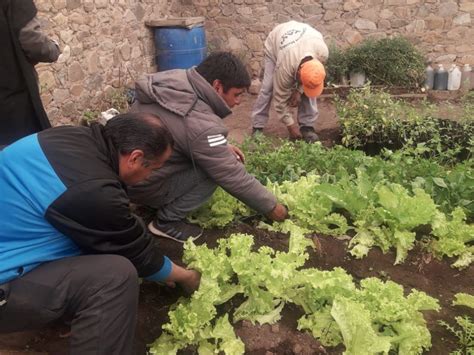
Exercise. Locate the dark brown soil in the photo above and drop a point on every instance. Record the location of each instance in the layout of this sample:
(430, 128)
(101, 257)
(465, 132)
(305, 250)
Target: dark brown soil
(419, 271)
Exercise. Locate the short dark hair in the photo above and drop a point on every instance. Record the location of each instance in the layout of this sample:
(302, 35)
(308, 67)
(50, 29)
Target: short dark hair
(139, 130)
(225, 67)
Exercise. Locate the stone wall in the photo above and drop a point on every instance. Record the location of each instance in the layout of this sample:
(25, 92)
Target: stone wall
(106, 45)
(442, 29)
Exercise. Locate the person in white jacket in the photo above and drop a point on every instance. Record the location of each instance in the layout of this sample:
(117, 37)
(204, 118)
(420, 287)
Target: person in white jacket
(293, 77)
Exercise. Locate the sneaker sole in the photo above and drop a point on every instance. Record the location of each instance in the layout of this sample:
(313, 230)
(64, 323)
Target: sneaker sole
(159, 233)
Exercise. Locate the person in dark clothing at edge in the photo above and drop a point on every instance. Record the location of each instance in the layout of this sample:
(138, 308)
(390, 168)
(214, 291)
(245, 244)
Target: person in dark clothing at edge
(23, 45)
(70, 248)
(192, 104)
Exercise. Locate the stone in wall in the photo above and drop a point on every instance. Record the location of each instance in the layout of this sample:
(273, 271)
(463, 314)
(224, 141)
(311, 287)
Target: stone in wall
(447, 9)
(352, 5)
(402, 12)
(47, 80)
(363, 24)
(337, 27)
(254, 42)
(332, 4)
(88, 5)
(60, 95)
(462, 19)
(417, 26)
(384, 25)
(235, 44)
(331, 15)
(386, 14)
(72, 4)
(446, 58)
(75, 72)
(434, 22)
(60, 19)
(76, 90)
(371, 14)
(312, 9)
(59, 4)
(125, 51)
(467, 6)
(352, 36)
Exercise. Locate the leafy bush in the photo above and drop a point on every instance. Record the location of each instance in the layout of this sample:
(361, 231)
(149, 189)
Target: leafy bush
(372, 120)
(336, 65)
(388, 61)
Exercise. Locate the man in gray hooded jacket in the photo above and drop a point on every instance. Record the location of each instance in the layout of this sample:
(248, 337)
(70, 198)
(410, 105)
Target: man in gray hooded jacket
(192, 104)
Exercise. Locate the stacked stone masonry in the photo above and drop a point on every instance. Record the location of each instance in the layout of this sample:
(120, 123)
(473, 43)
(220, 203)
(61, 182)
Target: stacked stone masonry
(106, 45)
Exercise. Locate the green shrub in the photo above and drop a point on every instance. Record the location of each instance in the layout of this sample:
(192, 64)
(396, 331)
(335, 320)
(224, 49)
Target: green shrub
(372, 120)
(388, 61)
(336, 65)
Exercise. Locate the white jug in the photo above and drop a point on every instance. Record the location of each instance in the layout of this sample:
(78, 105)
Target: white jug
(454, 78)
(357, 79)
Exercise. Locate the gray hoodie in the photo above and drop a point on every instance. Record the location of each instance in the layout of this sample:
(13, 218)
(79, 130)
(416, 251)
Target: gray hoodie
(193, 112)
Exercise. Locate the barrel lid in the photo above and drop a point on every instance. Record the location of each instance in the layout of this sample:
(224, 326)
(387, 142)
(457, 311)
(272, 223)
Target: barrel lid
(187, 22)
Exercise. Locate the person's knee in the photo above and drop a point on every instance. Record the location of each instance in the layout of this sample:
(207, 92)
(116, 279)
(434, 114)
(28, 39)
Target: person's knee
(122, 269)
(119, 275)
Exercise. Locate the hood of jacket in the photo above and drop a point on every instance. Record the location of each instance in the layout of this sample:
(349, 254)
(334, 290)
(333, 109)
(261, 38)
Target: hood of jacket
(178, 91)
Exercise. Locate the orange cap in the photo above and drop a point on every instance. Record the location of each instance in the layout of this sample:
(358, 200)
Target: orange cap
(312, 76)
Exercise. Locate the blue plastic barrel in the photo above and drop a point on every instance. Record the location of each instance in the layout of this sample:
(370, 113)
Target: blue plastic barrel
(179, 48)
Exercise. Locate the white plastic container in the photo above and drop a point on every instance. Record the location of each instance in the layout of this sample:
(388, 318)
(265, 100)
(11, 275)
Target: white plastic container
(357, 79)
(466, 77)
(454, 78)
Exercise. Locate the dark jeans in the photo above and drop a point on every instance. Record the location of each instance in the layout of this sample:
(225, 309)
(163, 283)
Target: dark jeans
(99, 293)
(175, 197)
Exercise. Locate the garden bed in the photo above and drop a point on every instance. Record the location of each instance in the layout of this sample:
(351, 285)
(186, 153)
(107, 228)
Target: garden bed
(419, 271)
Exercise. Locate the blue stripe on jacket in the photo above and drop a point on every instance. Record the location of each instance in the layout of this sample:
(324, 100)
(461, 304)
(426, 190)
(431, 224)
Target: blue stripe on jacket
(28, 186)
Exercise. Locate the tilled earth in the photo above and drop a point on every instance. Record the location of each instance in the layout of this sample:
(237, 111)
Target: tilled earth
(419, 271)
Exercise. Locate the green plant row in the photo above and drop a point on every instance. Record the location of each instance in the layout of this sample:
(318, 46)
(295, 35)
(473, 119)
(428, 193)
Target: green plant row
(376, 214)
(373, 317)
(372, 120)
(388, 61)
(388, 202)
(381, 214)
(278, 161)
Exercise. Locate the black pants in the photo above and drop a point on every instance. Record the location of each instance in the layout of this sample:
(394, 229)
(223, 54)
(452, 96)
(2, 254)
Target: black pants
(98, 292)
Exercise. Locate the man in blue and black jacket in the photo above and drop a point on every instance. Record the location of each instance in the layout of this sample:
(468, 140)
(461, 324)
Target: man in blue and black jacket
(69, 246)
